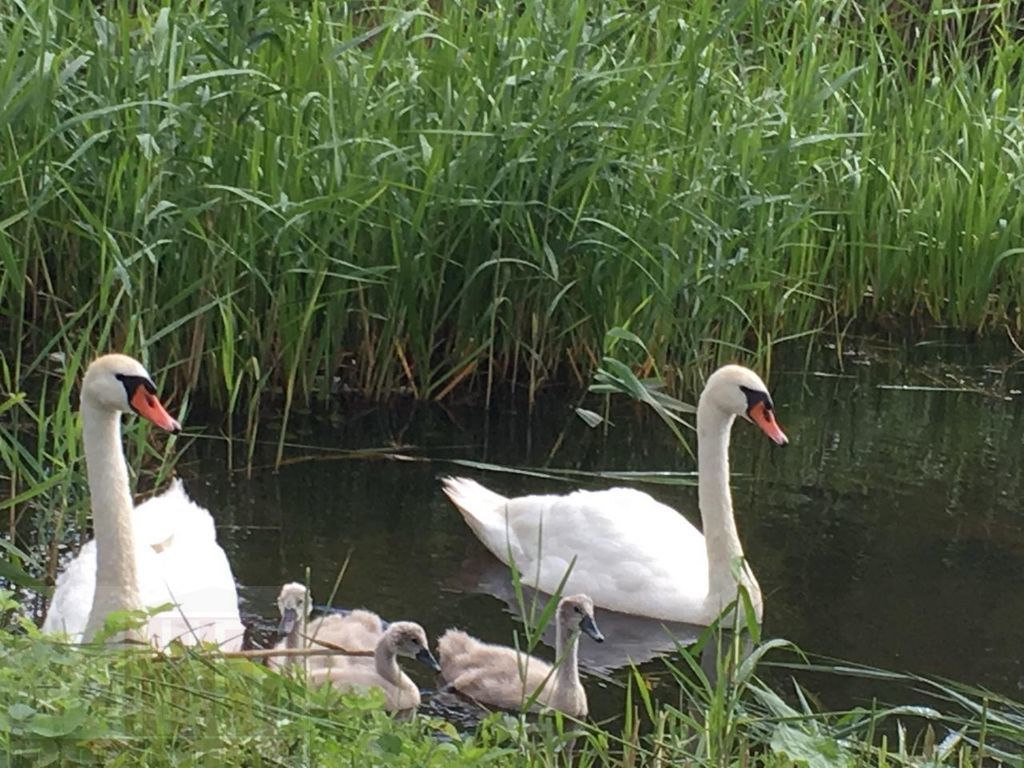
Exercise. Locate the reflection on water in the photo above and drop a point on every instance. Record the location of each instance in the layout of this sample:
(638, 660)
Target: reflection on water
(890, 532)
(628, 639)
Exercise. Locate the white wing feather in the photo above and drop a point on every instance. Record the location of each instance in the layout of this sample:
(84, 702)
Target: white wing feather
(178, 561)
(632, 553)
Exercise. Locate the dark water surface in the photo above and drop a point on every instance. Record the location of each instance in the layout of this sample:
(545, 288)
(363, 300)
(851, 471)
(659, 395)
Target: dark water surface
(890, 532)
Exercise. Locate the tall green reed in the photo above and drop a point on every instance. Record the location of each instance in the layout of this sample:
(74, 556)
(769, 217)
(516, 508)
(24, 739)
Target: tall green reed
(280, 199)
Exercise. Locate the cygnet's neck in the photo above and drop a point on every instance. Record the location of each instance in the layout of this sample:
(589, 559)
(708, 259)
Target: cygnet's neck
(111, 501)
(386, 662)
(567, 641)
(295, 638)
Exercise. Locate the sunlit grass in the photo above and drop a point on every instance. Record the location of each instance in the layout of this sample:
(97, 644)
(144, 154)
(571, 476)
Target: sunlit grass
(96, 706)
(67, 706)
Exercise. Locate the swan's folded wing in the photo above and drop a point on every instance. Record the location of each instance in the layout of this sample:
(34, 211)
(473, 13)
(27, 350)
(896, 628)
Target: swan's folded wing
(360, 675)
(624, 548)
(357, 631)
(180, 562)
(72, 598)
(199, 583)
(170, 518)
(498, 676)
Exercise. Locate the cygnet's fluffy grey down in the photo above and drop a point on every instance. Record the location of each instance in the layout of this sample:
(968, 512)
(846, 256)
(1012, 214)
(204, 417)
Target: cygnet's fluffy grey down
(356, 631)
(402, 638)
(504, 677)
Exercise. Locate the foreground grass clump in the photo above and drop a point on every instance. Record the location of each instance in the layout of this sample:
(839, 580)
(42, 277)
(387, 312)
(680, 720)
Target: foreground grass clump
(95, 706)
(423, 196)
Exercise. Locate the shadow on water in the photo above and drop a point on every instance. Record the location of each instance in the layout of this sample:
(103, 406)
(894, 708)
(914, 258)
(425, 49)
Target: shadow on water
(890, 532)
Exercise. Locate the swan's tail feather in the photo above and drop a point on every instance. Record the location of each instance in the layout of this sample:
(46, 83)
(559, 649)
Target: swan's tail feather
(466, 493)
(483, 511)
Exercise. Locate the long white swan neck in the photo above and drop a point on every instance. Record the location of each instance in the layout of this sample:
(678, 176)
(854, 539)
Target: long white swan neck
(567, 676)
(117, 585)
(715, 498)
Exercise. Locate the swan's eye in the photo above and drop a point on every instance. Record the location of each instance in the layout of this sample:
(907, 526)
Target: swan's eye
(138, 388)
(756, 397)
(577, 609)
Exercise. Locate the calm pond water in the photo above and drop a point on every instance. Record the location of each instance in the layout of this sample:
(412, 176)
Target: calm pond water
(890, 532)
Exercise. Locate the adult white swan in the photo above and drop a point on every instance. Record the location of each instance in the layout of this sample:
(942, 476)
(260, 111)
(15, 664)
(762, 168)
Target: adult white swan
(163, 551)
(632, 553)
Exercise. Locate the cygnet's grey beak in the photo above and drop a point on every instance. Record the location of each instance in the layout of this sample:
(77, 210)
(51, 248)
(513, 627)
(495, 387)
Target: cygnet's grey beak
(426, 657)
(288, 618)
(589, 627)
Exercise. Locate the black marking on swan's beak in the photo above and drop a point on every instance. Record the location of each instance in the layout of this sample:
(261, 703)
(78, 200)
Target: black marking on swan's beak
(761, 411)
(289, 617)
(427, 658)
(589, 628)
(141, 394)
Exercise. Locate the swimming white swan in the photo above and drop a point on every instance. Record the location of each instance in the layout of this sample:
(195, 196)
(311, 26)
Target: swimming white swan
(163, 551)
(505, 677)
(633, 554)
(402, 638)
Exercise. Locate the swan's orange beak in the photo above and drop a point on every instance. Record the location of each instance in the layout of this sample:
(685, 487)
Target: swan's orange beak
(765, 419)
(148, 406)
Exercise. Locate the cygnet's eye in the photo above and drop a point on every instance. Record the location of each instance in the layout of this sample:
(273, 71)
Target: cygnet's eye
(577, 609)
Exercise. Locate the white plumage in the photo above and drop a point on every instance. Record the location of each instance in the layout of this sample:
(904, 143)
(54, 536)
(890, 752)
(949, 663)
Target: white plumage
(629, 552)
(632, 553)
(162, 552)
(178, 561)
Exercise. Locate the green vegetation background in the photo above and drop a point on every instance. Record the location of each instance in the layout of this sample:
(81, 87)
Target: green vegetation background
(428, 197)
(424, 196)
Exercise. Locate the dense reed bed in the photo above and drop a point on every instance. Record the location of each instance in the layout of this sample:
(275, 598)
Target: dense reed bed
(284, 198)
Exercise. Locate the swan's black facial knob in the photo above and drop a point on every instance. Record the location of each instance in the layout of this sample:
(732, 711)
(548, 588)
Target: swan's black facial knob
(141, 394)
(761, 412)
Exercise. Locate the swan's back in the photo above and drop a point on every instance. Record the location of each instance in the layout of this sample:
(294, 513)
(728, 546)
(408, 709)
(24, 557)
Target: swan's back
(178, 561)
(632, 553)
